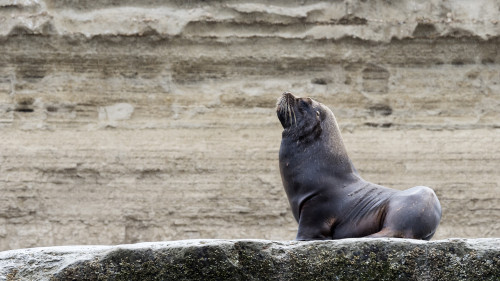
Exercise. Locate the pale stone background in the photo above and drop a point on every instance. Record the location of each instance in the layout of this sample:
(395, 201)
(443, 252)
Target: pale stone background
(128, 121)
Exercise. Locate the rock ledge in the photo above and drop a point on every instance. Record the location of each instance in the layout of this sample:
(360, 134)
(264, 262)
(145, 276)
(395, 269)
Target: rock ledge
(349, 259)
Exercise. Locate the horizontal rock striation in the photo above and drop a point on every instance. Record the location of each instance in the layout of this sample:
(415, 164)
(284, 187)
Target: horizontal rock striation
(129, 121)
(350, 259)
(368, 20)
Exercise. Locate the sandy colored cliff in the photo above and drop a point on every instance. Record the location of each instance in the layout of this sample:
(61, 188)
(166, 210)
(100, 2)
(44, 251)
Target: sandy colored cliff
(154, 120)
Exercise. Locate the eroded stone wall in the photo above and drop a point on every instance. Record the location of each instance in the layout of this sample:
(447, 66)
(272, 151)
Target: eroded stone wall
(154, 120)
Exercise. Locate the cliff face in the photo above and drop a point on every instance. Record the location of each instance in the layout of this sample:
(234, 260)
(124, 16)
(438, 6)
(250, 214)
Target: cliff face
(154, 120)
(348, 259)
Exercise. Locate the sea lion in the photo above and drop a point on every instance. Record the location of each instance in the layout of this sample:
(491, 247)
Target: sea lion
(328, 197)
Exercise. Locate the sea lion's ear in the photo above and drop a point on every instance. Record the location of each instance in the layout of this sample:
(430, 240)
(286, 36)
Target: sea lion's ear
(318, 115)
(318, 130)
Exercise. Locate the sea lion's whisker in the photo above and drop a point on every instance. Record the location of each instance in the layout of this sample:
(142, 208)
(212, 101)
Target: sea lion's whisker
(294, 116)
(279, 105)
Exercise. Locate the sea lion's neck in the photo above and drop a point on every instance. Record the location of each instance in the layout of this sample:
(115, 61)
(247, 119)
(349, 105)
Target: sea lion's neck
(326, 154)
(333, 148)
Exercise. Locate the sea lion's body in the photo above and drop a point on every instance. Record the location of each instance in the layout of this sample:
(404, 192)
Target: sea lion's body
(328, 198)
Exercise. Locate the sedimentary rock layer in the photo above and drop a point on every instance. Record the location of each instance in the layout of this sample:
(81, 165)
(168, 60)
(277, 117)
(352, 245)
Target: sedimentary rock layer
(349, 259)
(154, 120)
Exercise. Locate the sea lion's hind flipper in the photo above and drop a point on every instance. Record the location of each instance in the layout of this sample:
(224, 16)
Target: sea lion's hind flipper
(386, 233)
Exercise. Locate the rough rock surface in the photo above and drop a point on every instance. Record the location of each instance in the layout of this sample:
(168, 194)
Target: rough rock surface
(349, 259)
(130, 121)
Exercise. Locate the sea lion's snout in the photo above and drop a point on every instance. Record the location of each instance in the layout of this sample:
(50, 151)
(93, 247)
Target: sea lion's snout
(286, 99)
(288, 95)
(285, 109)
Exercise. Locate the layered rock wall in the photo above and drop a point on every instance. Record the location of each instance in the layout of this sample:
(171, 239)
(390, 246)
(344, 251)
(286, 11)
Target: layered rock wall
(154, 120)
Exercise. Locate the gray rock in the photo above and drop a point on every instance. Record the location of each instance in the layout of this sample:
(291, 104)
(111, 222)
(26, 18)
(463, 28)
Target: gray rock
(349, 259)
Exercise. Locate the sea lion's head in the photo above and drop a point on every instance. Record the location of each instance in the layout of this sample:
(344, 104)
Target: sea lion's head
(300, 116)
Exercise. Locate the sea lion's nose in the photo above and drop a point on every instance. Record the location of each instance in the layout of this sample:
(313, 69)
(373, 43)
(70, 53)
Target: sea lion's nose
(288, 95)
